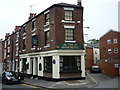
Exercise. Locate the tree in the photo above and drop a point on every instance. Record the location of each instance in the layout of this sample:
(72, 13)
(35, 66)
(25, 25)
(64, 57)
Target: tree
(93, 41)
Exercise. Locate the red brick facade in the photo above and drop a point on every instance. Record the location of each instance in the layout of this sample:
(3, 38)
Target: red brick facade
(0, 50)
(43, 33)
(110, 53)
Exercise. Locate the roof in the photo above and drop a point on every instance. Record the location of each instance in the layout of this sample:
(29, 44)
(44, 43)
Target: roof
(89, 45)
(57, 5)
(111, 30)
(67, 5)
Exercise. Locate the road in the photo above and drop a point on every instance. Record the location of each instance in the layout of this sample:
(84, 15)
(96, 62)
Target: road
(18, 86)
(103, 81)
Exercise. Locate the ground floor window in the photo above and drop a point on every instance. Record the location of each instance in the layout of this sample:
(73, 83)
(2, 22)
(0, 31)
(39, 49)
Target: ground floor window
(70, 64)
(47, 64)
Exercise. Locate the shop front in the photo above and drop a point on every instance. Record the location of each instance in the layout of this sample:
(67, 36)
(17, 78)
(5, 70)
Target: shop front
(55, 64)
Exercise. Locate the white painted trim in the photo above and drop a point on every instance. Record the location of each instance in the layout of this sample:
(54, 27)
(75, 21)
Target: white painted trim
(68, 8)
(32, 48)
(47, 29)
(24, 37)
(46, 46)
(33, 34)
(70, 41)
(47, 12)
(63, 21)
(65, 26)
(34, 29)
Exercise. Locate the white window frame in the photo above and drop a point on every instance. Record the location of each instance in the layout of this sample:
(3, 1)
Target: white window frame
(115, 50)
(109, 41)
(115, 40)
(109, 51)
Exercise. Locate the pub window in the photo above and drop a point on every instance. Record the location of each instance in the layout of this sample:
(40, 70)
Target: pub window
(48, 64)
(24, 44)
(69, 34)
(47, 38)
(70, 64)
(69, 15)
(47, 18)
(33, 25)
(40, 67)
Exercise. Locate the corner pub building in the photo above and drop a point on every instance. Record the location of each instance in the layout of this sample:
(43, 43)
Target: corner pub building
(51, 44)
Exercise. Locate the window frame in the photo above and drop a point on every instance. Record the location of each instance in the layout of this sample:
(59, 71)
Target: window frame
(68, 15)
(69, 34)
(47, 38)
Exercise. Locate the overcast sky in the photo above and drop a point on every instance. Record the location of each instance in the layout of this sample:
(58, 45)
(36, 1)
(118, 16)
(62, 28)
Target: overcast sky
(99, 15)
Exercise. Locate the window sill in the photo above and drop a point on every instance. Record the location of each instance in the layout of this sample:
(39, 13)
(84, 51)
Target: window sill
(33, 30)
(71, 41)
(67, 21)
(46, 24)
(23, 50)
(32, 48)
(47, 46)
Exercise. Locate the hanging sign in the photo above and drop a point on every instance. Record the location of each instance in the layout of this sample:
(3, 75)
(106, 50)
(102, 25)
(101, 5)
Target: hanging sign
(34, 41)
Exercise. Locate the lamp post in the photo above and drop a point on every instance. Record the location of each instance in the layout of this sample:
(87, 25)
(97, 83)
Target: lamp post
(86, 34)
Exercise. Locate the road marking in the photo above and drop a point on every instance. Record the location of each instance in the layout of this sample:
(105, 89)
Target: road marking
(29, 85)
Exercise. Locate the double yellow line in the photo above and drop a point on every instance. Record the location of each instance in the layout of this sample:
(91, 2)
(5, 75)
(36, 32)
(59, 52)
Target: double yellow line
(29, 86)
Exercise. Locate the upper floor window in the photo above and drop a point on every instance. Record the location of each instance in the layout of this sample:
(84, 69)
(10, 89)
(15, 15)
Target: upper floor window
(17, 36)
(4, 53)
(108, 41)
(5, 45)
(115, 40)
(69, 15)
(8, 40)
(109, 51)
(24, 29)
(33, 25)
(24, 44)
(8, 49)
(47, 18)
(47, 38)
(115, 50)
(17, 48)
(69, 34)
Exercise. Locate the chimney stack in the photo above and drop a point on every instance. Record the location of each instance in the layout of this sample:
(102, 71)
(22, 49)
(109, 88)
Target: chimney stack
(17, 28)
(79, 2)
(32, 15)
(7, 34)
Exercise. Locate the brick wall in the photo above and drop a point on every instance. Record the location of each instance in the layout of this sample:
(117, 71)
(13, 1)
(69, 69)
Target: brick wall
(89, 57)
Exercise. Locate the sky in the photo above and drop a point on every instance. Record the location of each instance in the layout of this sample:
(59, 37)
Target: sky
(99, 15)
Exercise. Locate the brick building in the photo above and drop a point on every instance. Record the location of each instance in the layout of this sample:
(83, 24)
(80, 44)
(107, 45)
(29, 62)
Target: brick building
(92, 54)
(49, 44)
(0, 50)
(109, 53)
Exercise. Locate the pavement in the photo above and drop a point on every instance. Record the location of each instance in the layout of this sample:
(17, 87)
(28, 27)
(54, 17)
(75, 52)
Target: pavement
(89, 82)
(69, 84)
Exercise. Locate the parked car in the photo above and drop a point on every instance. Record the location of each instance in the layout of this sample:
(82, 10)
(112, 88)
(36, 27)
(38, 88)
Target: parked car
(94, 69)
(10, 78)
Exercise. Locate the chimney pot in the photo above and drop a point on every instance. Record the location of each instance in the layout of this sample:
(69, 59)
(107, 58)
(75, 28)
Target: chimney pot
(79, 2)
(32, 15)
(17, 28)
